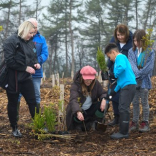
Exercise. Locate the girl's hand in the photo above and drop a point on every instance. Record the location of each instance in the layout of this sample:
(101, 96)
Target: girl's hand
(80, 116)
(30, 70)
(37, 66)
(103, 105)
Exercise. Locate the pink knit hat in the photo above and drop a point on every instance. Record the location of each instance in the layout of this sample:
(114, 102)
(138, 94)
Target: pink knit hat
(88, 72)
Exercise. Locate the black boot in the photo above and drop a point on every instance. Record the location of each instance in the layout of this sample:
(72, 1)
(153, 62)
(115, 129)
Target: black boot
(18, 106)
(115, 121)
(123, 126)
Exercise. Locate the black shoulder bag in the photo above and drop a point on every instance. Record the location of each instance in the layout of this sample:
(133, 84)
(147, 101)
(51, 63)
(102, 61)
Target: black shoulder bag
(4, 72)
(3, 75)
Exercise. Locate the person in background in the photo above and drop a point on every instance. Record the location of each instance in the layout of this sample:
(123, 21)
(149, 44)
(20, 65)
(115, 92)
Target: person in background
(142, 61)
(123, 39)
(21, 59)
(42, 56)
(126, 84)
(87, 100)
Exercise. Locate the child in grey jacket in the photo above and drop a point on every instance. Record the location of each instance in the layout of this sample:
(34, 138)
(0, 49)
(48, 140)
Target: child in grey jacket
(142, 59)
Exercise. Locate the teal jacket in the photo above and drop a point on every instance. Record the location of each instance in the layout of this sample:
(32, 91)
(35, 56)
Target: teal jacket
(123, 72)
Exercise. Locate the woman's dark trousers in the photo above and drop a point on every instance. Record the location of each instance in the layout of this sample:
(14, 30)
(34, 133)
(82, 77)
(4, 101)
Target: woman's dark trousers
(27, 90)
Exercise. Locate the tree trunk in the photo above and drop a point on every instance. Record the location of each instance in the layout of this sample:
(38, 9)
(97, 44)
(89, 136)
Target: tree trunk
(8, 20)
(136, 13)
(20, 9)
(36, 9)
(147, 14)
(72, 42)
(66, 42)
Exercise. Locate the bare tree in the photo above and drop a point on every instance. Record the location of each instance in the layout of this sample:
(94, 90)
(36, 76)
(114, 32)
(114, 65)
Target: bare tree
(72, 41)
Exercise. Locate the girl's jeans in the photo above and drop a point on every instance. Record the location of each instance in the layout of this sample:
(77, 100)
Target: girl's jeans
(141, 96)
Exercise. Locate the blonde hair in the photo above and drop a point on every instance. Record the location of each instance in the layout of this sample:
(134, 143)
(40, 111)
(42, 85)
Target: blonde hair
(87, 90)
(24, 29)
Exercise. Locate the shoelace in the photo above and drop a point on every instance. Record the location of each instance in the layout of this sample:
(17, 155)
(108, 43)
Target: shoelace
(17, 132)
(132, 124)
(142, 124)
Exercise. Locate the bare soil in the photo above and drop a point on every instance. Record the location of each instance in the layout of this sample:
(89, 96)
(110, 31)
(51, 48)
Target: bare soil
(94, 143)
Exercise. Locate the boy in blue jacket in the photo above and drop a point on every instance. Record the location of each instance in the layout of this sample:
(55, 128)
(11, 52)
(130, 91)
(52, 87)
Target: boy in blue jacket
(126, 83)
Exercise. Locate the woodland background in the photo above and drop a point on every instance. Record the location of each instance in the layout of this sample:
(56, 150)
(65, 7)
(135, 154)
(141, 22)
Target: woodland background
(74, 29)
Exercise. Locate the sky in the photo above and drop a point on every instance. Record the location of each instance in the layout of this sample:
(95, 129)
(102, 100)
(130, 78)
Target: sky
(45, 2)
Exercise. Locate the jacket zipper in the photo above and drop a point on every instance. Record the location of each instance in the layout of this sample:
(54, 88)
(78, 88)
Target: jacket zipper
(16, 80)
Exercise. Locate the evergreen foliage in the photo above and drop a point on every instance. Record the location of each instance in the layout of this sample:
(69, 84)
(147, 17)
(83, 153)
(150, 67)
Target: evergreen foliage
(47, 119)
(50, 118)
(1, 28)
(101, 60)
(38, 122)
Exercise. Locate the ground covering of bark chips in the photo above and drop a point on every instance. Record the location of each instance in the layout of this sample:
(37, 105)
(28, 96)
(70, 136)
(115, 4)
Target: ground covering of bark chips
(94, 143)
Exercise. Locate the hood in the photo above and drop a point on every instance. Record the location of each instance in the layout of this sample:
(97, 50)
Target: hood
(130, 36)
(129, 43)
(37, 34)
(77, 76)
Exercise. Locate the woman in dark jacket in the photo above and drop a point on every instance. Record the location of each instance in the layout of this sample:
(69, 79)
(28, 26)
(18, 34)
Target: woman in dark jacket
(21, 59)
(123, 39)
(87, 101)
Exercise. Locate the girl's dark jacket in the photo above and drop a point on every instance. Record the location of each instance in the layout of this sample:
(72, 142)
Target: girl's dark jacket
(19, 54)
(77, 98)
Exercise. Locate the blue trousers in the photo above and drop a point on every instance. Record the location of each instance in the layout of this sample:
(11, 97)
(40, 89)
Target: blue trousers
(37, 84)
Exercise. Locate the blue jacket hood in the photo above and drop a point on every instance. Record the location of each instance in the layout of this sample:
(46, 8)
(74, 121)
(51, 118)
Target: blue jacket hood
(42, 52)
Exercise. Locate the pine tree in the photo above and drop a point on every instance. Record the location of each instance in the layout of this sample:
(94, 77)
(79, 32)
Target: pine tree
(60, 21)
(96, 33)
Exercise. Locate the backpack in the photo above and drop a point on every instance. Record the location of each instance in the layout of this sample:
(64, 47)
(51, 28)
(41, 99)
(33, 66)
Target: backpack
(4, 72)
(3, 75)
